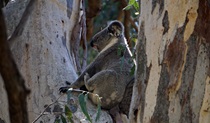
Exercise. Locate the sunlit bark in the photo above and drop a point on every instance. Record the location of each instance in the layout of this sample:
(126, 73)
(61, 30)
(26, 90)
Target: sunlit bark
(173, 63)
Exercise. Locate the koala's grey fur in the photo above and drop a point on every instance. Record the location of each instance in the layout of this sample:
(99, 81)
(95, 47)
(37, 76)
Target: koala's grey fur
(109, 73)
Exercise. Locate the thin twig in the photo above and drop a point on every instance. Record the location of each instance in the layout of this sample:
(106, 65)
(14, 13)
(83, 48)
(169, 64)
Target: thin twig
(47, 108)
(70, 89)
(82, 91)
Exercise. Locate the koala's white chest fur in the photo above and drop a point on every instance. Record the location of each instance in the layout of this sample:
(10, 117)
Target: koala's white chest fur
(114, 41)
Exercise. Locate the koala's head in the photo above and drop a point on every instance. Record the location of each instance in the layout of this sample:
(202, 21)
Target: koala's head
(108, 36)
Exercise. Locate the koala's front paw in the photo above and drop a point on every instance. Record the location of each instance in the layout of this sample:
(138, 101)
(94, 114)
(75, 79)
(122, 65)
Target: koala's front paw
(86, 77)
(63, 89)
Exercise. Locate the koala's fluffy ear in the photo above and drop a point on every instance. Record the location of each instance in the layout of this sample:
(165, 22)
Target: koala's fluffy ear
(116, 28)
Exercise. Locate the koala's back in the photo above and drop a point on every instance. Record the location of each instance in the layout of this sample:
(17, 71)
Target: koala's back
(112, 87)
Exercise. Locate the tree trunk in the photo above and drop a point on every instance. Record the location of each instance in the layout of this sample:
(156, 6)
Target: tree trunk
(41, 48)
(13, 81)
(173, 70)
(41, 54)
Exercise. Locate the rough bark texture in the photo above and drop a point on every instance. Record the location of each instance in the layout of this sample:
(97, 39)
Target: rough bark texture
(41, 51)
(173, 63)
(13, 81)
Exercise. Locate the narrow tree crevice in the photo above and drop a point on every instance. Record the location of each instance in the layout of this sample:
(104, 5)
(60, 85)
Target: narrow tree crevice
(165, 22)
(175, 56)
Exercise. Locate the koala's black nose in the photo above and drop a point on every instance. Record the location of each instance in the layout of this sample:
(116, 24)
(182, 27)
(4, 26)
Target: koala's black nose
(91, 43)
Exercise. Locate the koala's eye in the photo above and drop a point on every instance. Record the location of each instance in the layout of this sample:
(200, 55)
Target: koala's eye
(110, 30)
(97, 38)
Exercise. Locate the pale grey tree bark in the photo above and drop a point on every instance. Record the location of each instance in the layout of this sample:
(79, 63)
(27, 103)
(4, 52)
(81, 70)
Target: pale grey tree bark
(41, 49)
(173, 63)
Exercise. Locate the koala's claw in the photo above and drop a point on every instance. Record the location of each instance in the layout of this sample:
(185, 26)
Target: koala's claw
(68, 83)
(63, 89)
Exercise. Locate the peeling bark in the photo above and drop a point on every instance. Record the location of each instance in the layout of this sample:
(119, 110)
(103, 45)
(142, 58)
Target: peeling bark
(177, 49)
(175, 55)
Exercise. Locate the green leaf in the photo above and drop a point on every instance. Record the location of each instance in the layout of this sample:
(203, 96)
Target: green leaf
(119, 51)
(57, 120)
(82, 102)
(132, 70)
(130, 61)
(121, 63)
(131, 2)
(136, 5)
(63, 119)
(68, 114)
(98, 109)
(134, 40)
(133, 57)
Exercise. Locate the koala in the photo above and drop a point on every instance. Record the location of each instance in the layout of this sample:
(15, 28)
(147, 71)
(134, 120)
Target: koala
(109, 73)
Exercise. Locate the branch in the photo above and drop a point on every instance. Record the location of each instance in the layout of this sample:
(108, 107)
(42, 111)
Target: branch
(13, 81)
(120, 16)
(126, 21)
(84, 92)
(127, 26)
(70, 89)
(94, 7)
(133, 23)
(47, 108)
